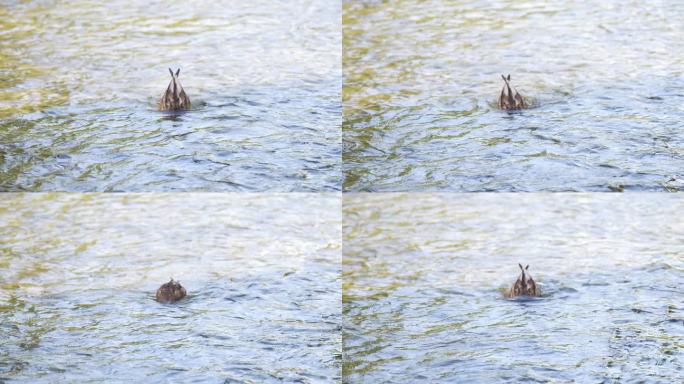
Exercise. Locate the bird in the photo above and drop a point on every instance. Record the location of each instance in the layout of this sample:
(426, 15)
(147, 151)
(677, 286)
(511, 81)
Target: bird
(525, 285)
(170, 292)
(507, 99)
(174, 99)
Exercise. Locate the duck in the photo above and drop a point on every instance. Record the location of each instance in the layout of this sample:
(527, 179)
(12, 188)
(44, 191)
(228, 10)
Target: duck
(507, 99)
(170, 292)
(175, 98)
(525, 285)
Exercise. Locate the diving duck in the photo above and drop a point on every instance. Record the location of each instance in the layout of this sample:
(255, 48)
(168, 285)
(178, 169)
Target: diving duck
(508, 100)
(174, 98)
(170, 292)
(524, 286)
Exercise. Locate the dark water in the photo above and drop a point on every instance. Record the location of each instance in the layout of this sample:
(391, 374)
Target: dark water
(422, 77)
(79, 82)
(424, 276)
(78, 275)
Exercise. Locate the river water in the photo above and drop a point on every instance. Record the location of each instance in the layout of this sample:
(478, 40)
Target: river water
(421, 79)
(78, 273)
(424, 276)
(79, 82)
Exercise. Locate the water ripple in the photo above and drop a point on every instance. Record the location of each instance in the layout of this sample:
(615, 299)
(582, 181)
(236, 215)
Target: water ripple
(77, 101)
(424, 275)
(79, 272)
(421, 79)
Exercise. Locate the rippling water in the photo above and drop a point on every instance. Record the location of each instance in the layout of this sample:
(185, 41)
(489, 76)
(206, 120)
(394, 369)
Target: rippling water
(422, 77)
(424, 274)
(79, 82)
(78, 275)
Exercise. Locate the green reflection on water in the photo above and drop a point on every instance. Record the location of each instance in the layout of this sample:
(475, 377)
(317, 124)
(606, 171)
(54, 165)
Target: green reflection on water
(25, 88)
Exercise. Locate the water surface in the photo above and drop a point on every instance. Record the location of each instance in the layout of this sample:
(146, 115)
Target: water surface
(421, 79)
(424, 277)
(78, 273)
(79, 82)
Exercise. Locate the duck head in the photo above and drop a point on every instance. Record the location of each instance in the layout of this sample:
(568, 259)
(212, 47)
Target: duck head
(170, 292)
(510, 99)
(525, 285)
(174, 99)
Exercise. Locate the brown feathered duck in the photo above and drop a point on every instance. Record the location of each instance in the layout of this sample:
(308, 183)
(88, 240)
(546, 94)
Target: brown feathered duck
(170, 292)
(174, 99)
(525, 285)
(508, 100)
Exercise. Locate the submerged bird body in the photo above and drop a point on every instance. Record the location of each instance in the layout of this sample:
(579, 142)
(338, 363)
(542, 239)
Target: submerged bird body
(174, 99)
(170, 292)
(510, 99)
(525, 285)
